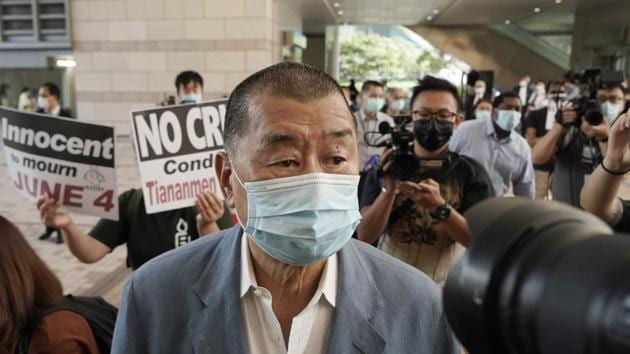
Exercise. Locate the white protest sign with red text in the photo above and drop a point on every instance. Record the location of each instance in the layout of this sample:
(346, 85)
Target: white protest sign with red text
(65, 159)
(175, 146)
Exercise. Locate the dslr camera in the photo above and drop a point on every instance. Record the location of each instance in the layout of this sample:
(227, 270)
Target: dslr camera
(587, 107)
(406, 165)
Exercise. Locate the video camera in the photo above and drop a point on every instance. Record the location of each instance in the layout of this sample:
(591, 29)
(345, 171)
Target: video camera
(540, 278)
(406, 165)
(587, 106)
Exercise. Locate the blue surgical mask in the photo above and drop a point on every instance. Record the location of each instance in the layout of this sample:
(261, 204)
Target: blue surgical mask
(192, 98)
(507, 120)
(302, 219)
(374, 104)
(483, 115)
(610, 111)
(398, 105)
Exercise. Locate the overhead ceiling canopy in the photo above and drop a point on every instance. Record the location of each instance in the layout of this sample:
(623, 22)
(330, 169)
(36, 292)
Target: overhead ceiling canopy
(537, 16)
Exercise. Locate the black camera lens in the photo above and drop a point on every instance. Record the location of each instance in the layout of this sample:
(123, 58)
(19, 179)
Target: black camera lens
(540, 278)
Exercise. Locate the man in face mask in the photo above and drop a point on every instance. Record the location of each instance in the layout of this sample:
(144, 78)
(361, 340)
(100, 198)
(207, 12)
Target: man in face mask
(48, 102)
(289, 278)
(538, 99)
(419, 221)
(475, 95)
(496, 146)
(537, 124)
(612, 102)
(576, 146)
(368, 118)
(395, 101)
(189, 86)
(523, 88)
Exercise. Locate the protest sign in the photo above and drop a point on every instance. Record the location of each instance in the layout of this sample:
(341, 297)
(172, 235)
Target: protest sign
(175, 147)
(65, 159)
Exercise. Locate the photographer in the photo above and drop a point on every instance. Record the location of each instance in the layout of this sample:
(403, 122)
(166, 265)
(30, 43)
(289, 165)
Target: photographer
(537, 124)
(420, 219)
(599, 195)
(578, 143)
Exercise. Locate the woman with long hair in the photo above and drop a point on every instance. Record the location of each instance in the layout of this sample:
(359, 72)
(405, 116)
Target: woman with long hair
(28, 287)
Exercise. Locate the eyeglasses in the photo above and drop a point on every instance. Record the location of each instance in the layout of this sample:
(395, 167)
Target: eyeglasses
(611, 99)
(426, 114)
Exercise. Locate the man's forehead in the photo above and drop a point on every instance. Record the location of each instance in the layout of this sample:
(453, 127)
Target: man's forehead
(269, 109)
(511, 101)
(435, 99)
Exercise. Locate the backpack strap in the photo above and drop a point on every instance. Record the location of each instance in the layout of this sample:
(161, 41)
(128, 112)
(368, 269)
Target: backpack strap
(39, 314)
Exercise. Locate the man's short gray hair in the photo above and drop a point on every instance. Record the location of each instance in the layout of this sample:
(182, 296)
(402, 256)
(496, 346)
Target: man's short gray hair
(287, 80)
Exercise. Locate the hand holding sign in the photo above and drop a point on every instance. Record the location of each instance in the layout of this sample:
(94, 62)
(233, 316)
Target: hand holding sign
(50, 214)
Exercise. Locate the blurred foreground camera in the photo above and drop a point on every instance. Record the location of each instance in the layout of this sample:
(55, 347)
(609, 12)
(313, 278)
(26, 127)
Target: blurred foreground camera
(540, 278)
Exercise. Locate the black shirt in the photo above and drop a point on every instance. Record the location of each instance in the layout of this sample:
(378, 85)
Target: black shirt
(412, 235)
(468, 179)
(623, 225)
(538, 120)
(577, 157)
(149, 235)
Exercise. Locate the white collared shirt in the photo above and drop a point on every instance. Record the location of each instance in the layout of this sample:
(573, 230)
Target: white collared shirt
(369, 125)
(56, 111)
(310, 329)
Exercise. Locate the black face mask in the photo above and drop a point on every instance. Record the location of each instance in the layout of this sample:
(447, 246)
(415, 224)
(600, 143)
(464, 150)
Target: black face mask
(432, 134)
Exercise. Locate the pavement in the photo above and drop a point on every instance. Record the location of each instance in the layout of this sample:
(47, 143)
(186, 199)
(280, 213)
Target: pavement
(106, 277)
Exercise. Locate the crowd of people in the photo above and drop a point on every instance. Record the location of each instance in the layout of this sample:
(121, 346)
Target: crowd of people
(334, 249)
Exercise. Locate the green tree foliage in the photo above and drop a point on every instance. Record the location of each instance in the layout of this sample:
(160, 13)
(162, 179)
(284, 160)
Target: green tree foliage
(372, 56)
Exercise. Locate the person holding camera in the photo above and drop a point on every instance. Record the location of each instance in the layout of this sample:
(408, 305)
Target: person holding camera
(419, 220)
(577, 140)
(537, 124)
(599, 195)
(498, 147)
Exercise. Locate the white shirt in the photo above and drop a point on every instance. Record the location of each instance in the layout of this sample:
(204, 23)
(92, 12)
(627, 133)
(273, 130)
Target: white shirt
(522, 93)
(364, 124)
(56, 111)
(310, 329)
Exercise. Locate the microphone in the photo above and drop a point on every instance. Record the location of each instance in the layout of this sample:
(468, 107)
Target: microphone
(384, 128)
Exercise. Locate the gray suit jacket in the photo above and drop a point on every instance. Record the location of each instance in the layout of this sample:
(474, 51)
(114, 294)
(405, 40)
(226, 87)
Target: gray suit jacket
(187, 301)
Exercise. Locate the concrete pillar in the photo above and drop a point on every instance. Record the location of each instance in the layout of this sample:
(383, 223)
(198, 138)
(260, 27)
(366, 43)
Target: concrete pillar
(128, 52)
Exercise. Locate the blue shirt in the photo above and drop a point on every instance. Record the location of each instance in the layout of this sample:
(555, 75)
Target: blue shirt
(507, 161)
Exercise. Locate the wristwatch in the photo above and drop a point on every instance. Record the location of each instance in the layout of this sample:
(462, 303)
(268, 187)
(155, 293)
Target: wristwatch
(442, 212)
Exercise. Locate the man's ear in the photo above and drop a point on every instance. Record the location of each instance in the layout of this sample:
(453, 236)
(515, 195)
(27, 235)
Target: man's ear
(223, 169)
(458, 120)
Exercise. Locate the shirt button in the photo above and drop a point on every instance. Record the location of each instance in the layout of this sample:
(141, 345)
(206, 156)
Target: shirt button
(275, 337)
(257, 293)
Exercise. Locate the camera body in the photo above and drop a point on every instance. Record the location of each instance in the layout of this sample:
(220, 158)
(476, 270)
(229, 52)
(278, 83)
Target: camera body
(405, 163)
(587, 107)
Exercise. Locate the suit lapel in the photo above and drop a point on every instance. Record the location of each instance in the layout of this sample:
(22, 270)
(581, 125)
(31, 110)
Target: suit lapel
(218, 326)
(358, 302)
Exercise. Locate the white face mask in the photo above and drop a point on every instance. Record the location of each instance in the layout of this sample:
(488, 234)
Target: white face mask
(302, 219)
(507, 120)
(398, 105)
(192, 98)
(610, 111)
(479, 91)
(483, 115)
(42, 103)
(540, 89)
